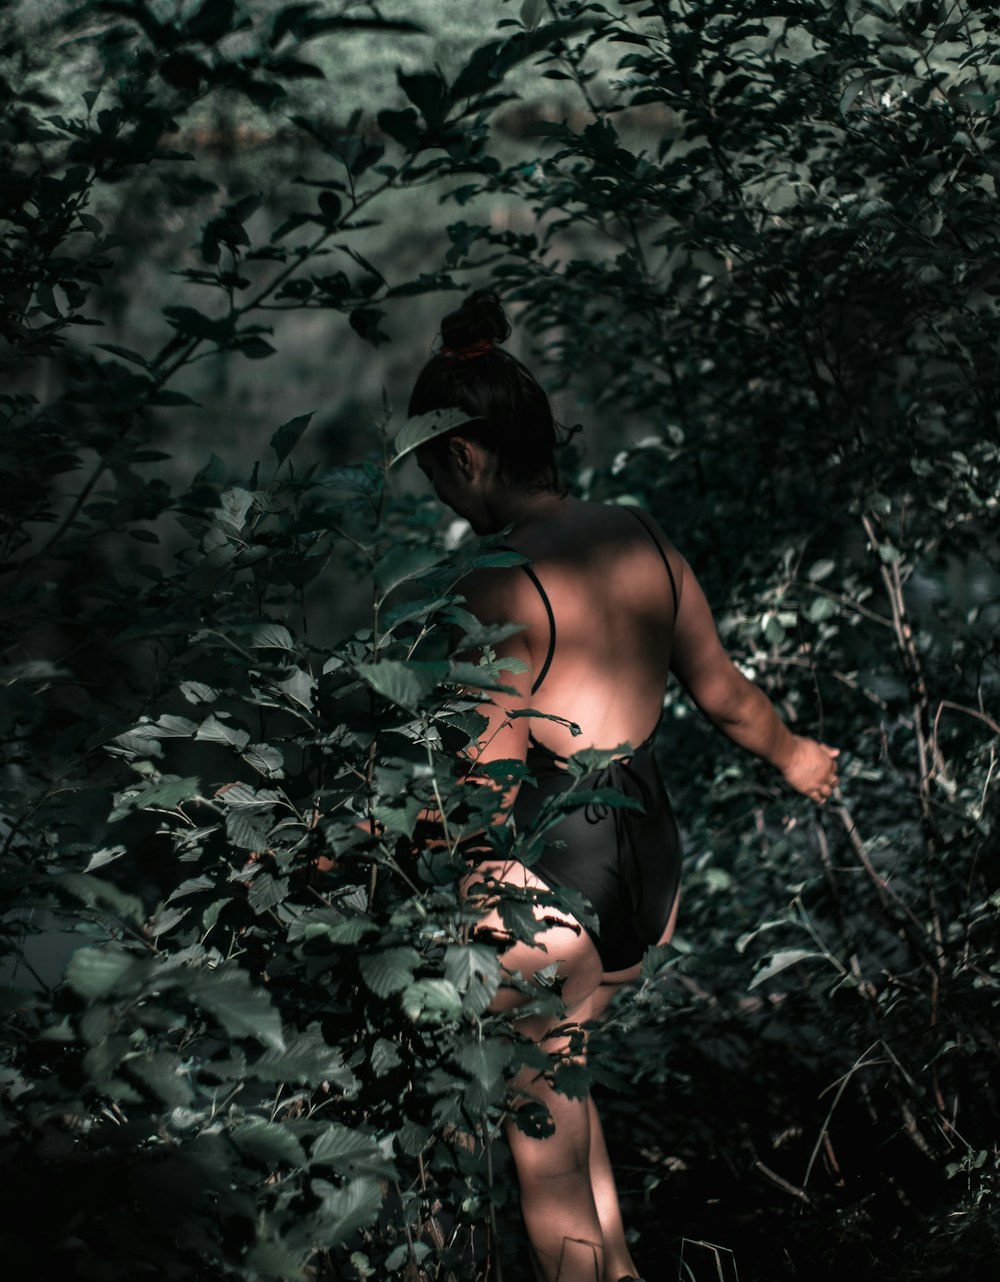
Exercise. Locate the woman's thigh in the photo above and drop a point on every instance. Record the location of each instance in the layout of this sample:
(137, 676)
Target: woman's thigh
(560, 940)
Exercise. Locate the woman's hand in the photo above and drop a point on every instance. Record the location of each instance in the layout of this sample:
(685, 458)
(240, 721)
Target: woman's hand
(812, 769)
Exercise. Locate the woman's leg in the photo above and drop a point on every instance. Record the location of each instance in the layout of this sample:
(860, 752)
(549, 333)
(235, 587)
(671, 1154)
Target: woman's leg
(618, 1262)
(557, 1201)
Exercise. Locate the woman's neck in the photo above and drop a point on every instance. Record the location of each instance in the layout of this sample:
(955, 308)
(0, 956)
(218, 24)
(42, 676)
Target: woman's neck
(519, 509)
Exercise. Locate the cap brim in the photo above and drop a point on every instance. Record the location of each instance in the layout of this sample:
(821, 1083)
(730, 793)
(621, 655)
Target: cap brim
(421, 428)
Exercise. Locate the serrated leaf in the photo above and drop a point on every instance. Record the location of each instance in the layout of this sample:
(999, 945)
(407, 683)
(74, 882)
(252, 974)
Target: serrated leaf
(242, 1007)
(384, 1057)
(166, 917)
(234, 504)
(212, 730)
(105, 855)
(166, 794)
(270, 636)
(405, 683)
(390, 970)
(96, 893)
(163, 1073)
(171, 727)
(573, 1079)
(484, 1061)
(95, 972)
(399, 815)
(345, 1210)
(433, 998)
(267, 891)
(240, 796)
(193, 886)
(309, 1060)
(198, 692)
(350, 1152)
(474, 969)
(247, 830)
(300, 687)
(265, 759)
(268, 1143)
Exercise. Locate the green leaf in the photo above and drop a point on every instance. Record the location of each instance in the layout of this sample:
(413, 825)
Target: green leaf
(96, 893)
(428, 93)
(405, 683)
(532, 12)
(384, 1057)
(390, 970)
(474, 969)
(234, 504)
(198, 692)
(436, 999)
(573, 1079)
(248, 831)
(212, 730)
(329, 207)
(268, 1143)
(241, 1006)
(126, 354)
(266, 760)
(166, 794)
(781, 961)
(402, 564)
(300, 687)
(402, 126)
(407, 611)
(309, 1061)
(271, 636)
(267, 891)
(485, 1061)
(288, 435)
(347, 1209)
(163, 1073)
(821, 608)
(820, 570)
(399, 815)
(350, 1152)
(95, 972)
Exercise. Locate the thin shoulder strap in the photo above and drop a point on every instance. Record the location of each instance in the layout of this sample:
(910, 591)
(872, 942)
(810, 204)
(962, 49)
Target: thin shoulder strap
(552, 626)
(659, 547)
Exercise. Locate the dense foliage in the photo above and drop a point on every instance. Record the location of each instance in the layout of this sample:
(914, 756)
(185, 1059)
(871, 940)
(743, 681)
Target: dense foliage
(269, 1050)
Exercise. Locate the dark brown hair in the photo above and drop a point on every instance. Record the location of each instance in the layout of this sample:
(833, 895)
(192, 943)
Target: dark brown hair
(516, 423)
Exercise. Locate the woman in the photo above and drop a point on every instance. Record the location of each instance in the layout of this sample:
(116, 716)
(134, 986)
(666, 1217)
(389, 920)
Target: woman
(609, 609)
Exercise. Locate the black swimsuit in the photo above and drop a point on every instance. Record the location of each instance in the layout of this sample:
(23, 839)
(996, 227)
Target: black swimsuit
(626, 862)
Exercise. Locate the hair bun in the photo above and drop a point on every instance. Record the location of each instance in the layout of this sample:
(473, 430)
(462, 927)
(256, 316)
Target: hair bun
(481, 316)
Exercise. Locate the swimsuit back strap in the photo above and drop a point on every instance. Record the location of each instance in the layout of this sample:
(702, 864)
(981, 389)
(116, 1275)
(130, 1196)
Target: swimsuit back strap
(659, 547)
(552, 626)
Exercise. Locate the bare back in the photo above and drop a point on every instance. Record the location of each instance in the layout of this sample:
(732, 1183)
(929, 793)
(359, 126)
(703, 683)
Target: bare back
(612, 604)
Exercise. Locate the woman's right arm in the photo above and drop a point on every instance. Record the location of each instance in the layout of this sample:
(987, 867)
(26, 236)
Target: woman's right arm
(736, 706)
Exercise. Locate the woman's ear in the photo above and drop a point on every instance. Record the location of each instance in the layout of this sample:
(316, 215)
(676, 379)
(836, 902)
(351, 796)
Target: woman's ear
(463, 457)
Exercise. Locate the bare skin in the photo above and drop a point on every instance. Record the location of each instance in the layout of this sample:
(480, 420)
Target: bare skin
(617, 644)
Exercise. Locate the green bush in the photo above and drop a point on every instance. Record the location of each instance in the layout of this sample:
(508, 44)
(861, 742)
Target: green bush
(787, 292)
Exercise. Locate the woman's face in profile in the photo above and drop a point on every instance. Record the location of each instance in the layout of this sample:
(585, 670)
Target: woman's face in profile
(446, 478)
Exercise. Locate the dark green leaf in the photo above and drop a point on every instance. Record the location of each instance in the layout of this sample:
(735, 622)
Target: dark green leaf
(288, 435)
